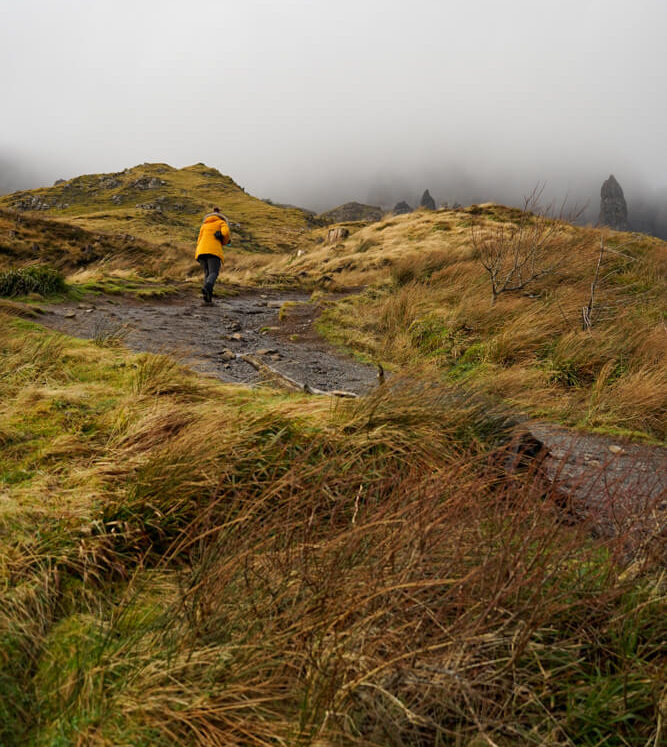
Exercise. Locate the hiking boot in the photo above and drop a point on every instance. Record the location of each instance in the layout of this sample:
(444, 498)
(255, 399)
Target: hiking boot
(208, 296)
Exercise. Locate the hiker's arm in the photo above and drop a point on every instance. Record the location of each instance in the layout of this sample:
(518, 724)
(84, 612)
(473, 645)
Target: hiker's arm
(226, 233)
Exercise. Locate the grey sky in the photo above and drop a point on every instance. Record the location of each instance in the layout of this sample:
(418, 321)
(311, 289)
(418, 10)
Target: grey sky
(319, 102)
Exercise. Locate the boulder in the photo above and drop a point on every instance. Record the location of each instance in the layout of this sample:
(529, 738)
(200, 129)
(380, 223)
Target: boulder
(109, 182)
(613, 208)
(336, 234)
(427, 202)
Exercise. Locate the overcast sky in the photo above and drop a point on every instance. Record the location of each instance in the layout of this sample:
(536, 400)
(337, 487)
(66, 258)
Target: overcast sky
(316, 102)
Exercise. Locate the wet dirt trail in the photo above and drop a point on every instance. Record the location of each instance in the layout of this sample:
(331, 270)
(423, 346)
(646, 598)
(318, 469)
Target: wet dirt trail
(210, 339)
(619, 485)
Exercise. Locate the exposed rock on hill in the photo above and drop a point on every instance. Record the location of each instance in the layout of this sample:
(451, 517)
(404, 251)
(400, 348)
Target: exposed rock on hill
(30, 202)
(353, 211)
(427, 201)
(402, 207)
(143, 182)
(613, 208)
(334, 235)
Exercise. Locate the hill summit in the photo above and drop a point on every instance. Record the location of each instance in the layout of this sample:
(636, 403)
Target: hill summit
(157, 202)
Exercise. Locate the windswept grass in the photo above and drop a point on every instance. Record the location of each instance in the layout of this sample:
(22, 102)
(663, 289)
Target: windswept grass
(32, 279)
(188, 563)
(431, 303)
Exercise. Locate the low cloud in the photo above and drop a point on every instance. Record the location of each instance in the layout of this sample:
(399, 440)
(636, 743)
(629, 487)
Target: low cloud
(369, 100)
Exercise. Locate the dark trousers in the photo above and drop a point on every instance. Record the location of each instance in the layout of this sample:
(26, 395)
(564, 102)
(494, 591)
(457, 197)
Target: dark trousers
(211, 266)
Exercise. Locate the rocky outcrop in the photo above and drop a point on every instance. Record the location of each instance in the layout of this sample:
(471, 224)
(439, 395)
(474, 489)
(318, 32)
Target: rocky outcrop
(109, 182)
(427, 202)
(145, 182)
(31, 202)
(402, 207)
(352, 211)
(163, 203)
(613, 208)
(336, 234)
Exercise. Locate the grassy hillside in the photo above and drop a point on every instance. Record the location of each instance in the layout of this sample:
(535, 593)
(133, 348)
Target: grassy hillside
(29, 238)
(158, 203)
(428, 299)
(184, 562)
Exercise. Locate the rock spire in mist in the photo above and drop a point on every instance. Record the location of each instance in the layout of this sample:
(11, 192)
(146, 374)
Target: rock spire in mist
(402, 207)
(613, 208)
(427, 201)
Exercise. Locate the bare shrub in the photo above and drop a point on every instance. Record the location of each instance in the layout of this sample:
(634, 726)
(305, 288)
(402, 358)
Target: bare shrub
(520, 252)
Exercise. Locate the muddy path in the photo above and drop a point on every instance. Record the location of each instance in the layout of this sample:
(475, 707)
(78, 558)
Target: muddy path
(211, 339)
(619, 485)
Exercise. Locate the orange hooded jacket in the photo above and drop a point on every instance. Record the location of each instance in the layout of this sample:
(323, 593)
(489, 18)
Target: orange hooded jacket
(207, 243)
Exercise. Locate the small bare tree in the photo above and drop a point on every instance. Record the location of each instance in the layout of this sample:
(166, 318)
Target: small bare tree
(519, 253)
(587, 310)
(605, 251)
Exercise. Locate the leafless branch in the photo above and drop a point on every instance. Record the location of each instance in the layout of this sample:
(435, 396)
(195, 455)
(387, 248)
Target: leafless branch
(517, 253)
(588, 309)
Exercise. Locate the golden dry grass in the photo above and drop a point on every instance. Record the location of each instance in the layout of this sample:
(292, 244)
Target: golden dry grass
(184, 562)
(431, 301)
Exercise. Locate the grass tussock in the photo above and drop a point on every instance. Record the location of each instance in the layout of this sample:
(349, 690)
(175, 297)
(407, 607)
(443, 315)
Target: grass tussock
(32, 279)
(220, 566)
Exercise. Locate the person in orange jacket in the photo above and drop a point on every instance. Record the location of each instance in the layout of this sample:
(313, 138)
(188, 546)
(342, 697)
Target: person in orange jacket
(213, 235)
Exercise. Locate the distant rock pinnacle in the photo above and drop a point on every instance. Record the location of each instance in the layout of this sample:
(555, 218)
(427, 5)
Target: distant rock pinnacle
(402, 207)
(427, 201)
(613, 208)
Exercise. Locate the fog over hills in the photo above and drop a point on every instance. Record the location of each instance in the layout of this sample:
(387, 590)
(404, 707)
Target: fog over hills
(321, 103)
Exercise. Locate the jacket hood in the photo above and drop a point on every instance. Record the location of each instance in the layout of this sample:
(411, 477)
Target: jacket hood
(209, 217)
